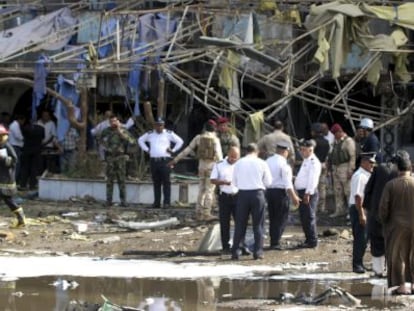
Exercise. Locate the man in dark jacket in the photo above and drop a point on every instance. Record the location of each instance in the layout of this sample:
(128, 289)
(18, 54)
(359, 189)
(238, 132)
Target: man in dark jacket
(373, 191)
(31, 157)
(321, 151)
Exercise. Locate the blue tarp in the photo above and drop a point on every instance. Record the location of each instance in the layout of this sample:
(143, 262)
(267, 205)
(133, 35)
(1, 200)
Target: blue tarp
(67, 89)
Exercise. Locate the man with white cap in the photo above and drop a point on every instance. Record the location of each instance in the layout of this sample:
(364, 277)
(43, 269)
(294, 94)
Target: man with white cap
(369, 141)
(278, 193)
(160, 144)
(306, 184)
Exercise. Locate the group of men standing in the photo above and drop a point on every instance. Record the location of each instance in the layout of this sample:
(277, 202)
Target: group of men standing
(248, 185)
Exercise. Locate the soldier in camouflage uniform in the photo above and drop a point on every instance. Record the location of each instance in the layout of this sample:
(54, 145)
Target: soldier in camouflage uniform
(341, 165)
(208, 150)
(227, 138)
(115, 139)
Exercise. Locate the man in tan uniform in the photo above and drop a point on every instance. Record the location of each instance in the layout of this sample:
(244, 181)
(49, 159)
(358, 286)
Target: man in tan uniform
(208, 150)
(341, 165)
(227, 138)
(267, 144)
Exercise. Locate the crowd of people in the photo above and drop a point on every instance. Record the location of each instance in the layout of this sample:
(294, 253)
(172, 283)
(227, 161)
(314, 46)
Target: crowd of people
(263, 179)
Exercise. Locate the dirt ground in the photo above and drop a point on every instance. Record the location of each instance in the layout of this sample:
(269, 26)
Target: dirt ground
(52, 229)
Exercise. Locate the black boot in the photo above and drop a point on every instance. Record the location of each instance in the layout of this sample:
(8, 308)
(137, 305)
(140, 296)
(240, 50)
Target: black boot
(21, 219)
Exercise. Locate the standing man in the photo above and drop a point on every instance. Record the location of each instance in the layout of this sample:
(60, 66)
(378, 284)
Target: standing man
(278, 193)
(306, 184)
(114, 139)
(321, 151)
(8, 161)
(69, 145)
(16, 139)
(327, 134)
(158, 143)
(267, 144)
(227, 138)
(222, 176)
(369, 142)
(342, 165)
(33, 135)
(356, 210)
(49, 143)
(251, 176)
(208, 150)
(396, 214)
(372, 196)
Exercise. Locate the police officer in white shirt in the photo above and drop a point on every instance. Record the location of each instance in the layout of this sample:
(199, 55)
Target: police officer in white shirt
(306, 184)
(251, 176)
(222, 176)
(278, 193)
(158, 143)
(357, 212)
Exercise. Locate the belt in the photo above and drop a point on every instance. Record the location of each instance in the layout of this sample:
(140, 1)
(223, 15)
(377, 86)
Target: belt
(246, 190)
(228, 194)
(156, 159)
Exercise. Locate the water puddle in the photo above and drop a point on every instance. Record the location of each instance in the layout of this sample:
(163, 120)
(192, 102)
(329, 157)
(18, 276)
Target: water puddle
(59, 293)
(82, 284)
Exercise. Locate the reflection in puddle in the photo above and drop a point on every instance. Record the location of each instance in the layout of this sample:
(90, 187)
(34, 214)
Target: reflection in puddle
(53, 293)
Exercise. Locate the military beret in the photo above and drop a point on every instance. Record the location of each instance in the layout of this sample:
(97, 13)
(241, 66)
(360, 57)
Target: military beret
(212, 122)
(222, 120)
(336, 128)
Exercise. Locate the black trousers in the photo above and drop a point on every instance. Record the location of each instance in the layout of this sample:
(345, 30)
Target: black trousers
(160, 173)
(18, 151)
(360, 237)
(249, 202)
(375, 235)
(278, 208)
(307, 214)
(30, 169)
(227, 207)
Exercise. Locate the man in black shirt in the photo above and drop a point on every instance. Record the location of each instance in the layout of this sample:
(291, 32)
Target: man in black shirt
(33, 135)
(321, 151)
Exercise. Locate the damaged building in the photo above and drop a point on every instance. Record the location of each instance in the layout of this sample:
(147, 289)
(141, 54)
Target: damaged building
(188, 61)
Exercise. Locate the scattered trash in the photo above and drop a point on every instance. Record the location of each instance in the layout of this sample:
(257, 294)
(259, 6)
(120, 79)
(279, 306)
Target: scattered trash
(109, 306)
(77, 236)
(184, 233)
(147, 225)
(345, 235)
(6, 236)
(110, 239)
(211, 241)
(80, 226)
(330, 232)
(324, 298)
(70, 214)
